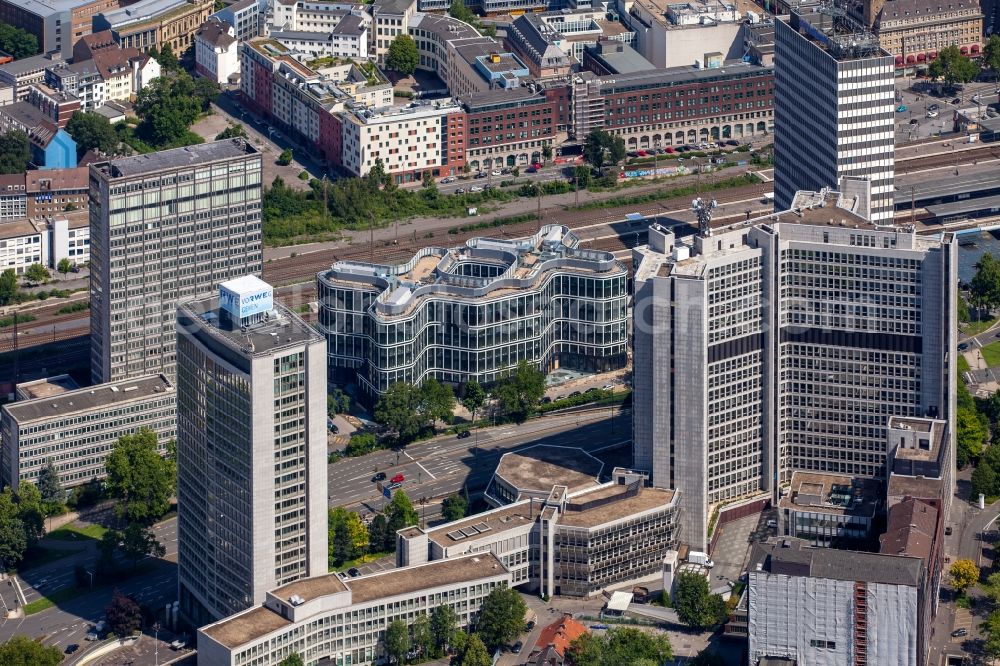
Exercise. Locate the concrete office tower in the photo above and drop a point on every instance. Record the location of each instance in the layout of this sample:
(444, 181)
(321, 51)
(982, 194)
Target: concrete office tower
(699, 355)
(786, 344)
(165, 227)
(834, 106)
(251, 450)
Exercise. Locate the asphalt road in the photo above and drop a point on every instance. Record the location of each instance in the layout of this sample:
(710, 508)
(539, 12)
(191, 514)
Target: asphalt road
(443, 465)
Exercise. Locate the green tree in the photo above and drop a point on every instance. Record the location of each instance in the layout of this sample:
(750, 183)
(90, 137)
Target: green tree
(474, 398)
(991, 53)
(601, 148)
(92, 131)
(337, 402)
(36, 274)
(232, 132)
(991, 628)
(454, 507)
(420, 631)
(437, 402)
(378, 533)
(475, 653)
(403, 55)
(167, 59)
(140, 478)
(8, 287)
(501, 617)
(286, 157)
(397, 641)
(17, 42)
(399, 410)
(48, 484)
(15, 152)
(340, 546)
(106, 549)
(444, 624)
(707, 657)
(138, 541)
(21, 650)
(621, 645)
(64, 266)
(460, 11)
(169, 104)
(970, 433)
(963, 574)
(952, 66)
(124, 615)
(399, 514)
(984, 480)
(360, 444)
(518, 392)
(13, 535)
(696, 606)
(292, 660)
(984, 290)
(31, 511)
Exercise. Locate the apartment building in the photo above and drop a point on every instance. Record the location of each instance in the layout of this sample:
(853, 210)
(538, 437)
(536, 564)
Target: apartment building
(567, 543)
(57, 24)
(251, 450)
(785, 344)
(50, 147)
(77, 429)
(155, 23)
(24, 73)
(216, 51)
(684, 105)
(55, 192)
(165, 227)
(13, 201)
(843, 131)
(246, 17)
(820, 606)
(326, 619)
(392, 18)
(474, 312)
(81, 79)
(57, 105)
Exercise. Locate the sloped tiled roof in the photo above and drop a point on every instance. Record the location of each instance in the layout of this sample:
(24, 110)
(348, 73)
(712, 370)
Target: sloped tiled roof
(560, 634)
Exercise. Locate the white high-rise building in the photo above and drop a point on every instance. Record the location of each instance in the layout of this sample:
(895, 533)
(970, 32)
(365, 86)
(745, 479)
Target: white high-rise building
(834, 109)
(251, 450)
(786, 344)
(165, 227)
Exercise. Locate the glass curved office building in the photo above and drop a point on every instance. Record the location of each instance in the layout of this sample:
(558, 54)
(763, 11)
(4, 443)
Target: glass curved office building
(473, 312)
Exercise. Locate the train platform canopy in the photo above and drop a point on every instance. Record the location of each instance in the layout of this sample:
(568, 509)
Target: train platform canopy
(982, 206)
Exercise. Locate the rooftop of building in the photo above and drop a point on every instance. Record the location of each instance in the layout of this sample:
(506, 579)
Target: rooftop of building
(611, 503)
(930, 440)
(26, 114)
(489, 100)
(910, 529)
(618, 57)
(924, 188)
(239, 629)
(413, 110)
(50, 7)
(240, 5)
(311, 588)
(18, 228)
(560, 634)
(965, 206)
(393, 6)
(144, 10)
(113, 62)
(678, 76)
(436, 271)
(216, 32)
(46, 388)
(833, 494)
(795, 557)
(407, 580)
(842, 39)
(490, 522)
(669, 12)
(281, 328)
(102, 396)
(496, 63)
(31, 64)
(907, 10)
(538, 468)
(921, 487)
(175, 158)
(450, 29)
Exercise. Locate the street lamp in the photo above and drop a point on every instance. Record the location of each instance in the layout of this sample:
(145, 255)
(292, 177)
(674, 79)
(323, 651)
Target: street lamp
(156, 643)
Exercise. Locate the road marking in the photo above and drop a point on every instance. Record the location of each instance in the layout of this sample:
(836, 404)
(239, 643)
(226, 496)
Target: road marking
(426, 471)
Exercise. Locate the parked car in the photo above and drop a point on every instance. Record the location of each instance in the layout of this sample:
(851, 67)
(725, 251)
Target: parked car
(353, 572)
(960, 632)
(947, 531)
(462, 434)
(901, 108)
(963, 346)
(531, 169)
(932, 114)
(449, 179)
(669, 149)
(598, 626)
(772, 523)
(537, 165)
(529, 626)
(957, 100)
(481, 174)
(399, 478)
(475, 188)
(460, 190)
(641, 153)
(732, 142)
(608, 387)
(378, 477)
(71, 648)
(933, 107)
(574, 394)
(496, 172)
(517, 647)
(91, 636)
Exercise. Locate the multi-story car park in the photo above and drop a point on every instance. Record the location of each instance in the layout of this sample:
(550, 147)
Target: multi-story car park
(568, 543)
(164, 227)
(327, 620)
(77, 429)
(472, 313)
(800, 335)
(680, 105)
(251, 450)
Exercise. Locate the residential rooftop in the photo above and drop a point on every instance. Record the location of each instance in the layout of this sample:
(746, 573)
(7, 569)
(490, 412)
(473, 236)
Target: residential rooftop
(910, 529)
(175, 158)
(94, 398)
(612, 503)
(832, 494)
(538, 468)
(794, 557)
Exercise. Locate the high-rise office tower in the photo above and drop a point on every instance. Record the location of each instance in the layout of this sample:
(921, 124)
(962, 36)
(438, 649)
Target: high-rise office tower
(251, 450)
(785, 344)
(834, 109)
(164, 227)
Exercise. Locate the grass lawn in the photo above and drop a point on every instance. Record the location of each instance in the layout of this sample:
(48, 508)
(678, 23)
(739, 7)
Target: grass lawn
(39, 555)
(74, 533)
(364, 559)
(963, 365)
(977, 327)
(62, 595)
(991, 354)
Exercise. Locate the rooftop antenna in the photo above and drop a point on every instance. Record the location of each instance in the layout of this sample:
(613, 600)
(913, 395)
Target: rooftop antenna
(703, 210)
